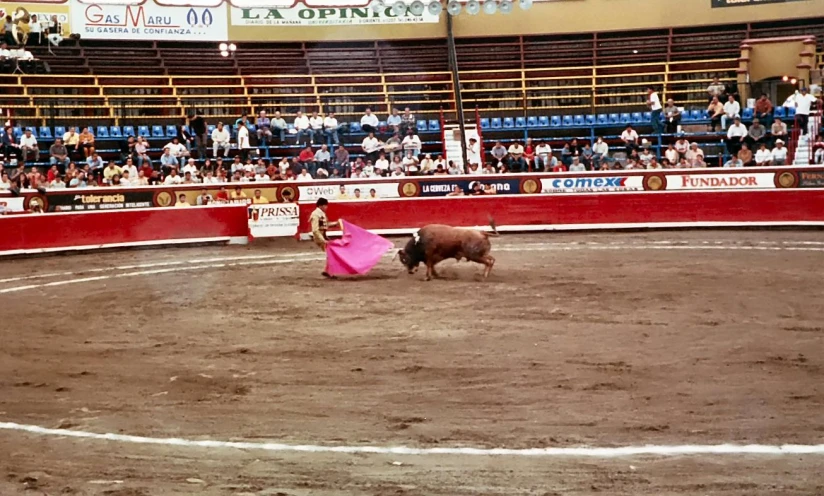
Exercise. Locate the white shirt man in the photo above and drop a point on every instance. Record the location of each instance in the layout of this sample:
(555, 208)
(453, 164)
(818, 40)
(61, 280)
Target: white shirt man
(371, 144)
(543, 151)
(369, 119)
(190, 167)
(629, 136)
(316, 123)
(243, 138)
(681, 146)
(220, 139)
(173, 178)
(803, 103)
(28, 141)
(305, 176)
(779, 153)
(654, 101)
(473, 152)
(382, 164)
(330, 123)
(301, 122)
(732, 109)
(175, 149)
(131, 169)
(737, 131)
(763, 156)
(411, 142)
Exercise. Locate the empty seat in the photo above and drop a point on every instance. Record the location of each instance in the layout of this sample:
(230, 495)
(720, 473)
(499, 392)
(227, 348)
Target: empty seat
(590, 119)
(354, 127)
(626, 118)
(697, 115)
(520, 122)
(578, 120)
(32, 129)
(128, 131)
(496, 123)
(568, 122)
(484, 123)
(114, 132)
(18, 131)
(382, 125)
(209, 129)
(157, 131)
(434, 125)
(143, 131)
(421, 125)
(171, 131)
(59, 130)
(602, 119)
(614, 118)
(45, 132)
(648, 116)
(556, 121)
(779, 112)
(532, 121)
(102, 132)
(509, 123)
(543, 121)
(637, 117)
(747, 114)
(791, 112)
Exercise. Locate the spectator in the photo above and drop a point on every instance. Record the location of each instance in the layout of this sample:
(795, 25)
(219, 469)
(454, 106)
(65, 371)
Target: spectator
(371, 146)
(736, 136)
(681, 146)
(264, 128)
(129, 168)
(695, 155)
(71, 139)
(757, 134)
(456, 191)
(715, 110)
(323, 158)
(382, 164)
(516, 162)
(473, 151)
(645, 157)
(410, 163)
(671, 154)
(542, 155)
(408, 121)
(126, 179)
(342, 193)
(110, 171)
(181, 199)
(818, 150)
(36, 32)
(243, 142)
(373, 194)
(654, 165)
(204, 198)
(763, 157)
(745, 155)
(168, 161)
(576, 165)
(393, 147)
(474, 170)
(141, 151)
(369, 170)
(394, 121)
(600, 154)
(341, 163)
(304, 175)
(184, 136)
(190, 167)
(498, 152)
(198, 126)
(369, 121)
(173, 178)
(330, 129)
(803, 105)
(488, 169)
(440, 161)
(630, 138)
(221, 139)
(778, 130)
(10, 147)
(764, 109)
(306, 159)
(733, 162)
(732, 109)
(411, 143)
(654, 104)
(210, 178)
(57, 183)
(454, 169)
(586, 156)
(440, 171)
(716, 89)
(779, 153)
(177, 150)
(398, 172)
(672, 116)
(427, 165)
(86, 142)
(28, 147)
(95, 162)
(5, 183)
(58, 154)
(303, 128)
(238, 194)
(316, 127)
(141, 180)
(259, 199)
(279, 126)
(79, 181)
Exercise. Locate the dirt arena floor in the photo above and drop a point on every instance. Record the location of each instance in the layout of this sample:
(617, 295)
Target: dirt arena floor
(576, 340)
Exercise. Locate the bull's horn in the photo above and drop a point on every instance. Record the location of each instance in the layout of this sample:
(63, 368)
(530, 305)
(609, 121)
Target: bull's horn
(396, 255)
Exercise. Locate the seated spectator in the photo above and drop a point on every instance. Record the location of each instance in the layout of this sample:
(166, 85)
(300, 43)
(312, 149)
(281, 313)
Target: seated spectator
(221, 139)
(316, 127)
(733, 162)
(779, 153)
(173, 178)
(440, 161)
(190, 167)
(397, 172)
(745, 155)
(716, 112)
(71, 140)
(184, 135)
(323, 159)
(542, 154)
(29, 148)
(600, 154)
(516, 161)
(695, 155)
(369, 121)
(763, 157)
(681, 146)
(645, 157)
(167, 161)
(630, 138)
(368, 170)
(732, 109)
(778, 130)
(129, 168)
(587, 155)
(408, 121)
(454, 169)
(488, 169)
(498, 153)
(85, 142)
(238, 194)
(141, 151)
(141, 180)
(764, 110)
(177, 150)
(410, 163)
(411, 143)
(371, 146)
(126, 179)
(671, 154)
(182, 201)
(189, 178)
(682, 164)
(394, 147)
(440, 171)
(57, 183)
(382, 164)
(110, 171)
(818, 150)
(259, 199)
(279, 126)
(79, 181)
(394, 121)
(576, 165)
(341, 162)
(757, 134)
(654, 165)
(303, 128)
(58, 154)
(264, 128)
(672, 117)
(736, 136)
(306, 159)
(304, 175)
(330, 129)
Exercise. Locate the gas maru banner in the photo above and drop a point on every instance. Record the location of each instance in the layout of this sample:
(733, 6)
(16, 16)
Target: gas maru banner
(763, 180)
(348, 191)
(592, 184)
(274, 220)
(149, 21)
(301, 15)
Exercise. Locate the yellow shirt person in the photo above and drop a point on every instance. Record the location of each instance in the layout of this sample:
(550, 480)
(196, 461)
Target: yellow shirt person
(259, 199)
(181, 201)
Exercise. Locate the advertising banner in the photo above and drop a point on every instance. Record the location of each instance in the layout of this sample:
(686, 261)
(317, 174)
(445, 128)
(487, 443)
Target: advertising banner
(43, 11)
(746, 3)
(592, 184)
(99, 200)
(11, 204)
(443, 188)
(814, 179)
(722, 181)
(275, 220)
(351, 191)
(301, 15)
(149, 21)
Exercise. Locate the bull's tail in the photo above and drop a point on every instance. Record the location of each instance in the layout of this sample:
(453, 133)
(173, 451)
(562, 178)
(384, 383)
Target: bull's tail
(493, 226)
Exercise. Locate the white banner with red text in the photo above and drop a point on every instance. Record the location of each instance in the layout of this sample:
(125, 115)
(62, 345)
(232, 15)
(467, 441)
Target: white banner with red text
(273, 220)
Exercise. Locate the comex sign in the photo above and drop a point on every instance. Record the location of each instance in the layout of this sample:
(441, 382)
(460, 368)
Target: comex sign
(149, 21)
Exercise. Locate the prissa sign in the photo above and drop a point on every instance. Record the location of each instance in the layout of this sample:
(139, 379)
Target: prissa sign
(273, 220)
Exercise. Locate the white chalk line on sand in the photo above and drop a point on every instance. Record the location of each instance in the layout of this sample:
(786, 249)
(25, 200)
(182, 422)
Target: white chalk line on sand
(201, 264)
(582, 451)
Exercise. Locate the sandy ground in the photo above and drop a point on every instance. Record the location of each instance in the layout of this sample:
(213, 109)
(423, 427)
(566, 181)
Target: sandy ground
(663, 338)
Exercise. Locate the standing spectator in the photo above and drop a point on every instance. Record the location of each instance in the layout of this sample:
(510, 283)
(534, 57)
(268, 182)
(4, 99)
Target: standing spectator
(323, 158)
(184, 136)
(243, 142)
(779, 153)
(716, 112)
(58, 154)
(732, 109)
(763, 157)
(412, 143)
(330, 129)
(279, 126)
(303, 128)
(654, 104)
(28, 147)
(764, 109)
(408, 121)
(371, 146)
(672, 116)
(71, 139)
(516, 162)
(736, 135)
(341, 163)
(264, 128)
(757, 134)
(716, 89)
(199, 128)
(542, 154)
(221, 139)
(803, 105)
(369, 121)
(394, 121)
(630, 139)
(316, 127)
(86, 142)
(778, 130)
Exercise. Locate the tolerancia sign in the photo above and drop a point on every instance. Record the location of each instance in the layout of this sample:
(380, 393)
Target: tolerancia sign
(300, 15)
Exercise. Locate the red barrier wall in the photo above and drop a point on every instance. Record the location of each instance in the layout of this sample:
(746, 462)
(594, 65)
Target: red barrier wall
(586, 211)
(87, 230)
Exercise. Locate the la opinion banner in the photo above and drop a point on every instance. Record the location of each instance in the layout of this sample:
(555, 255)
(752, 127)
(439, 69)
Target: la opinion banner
(301, 15)
(149, 21)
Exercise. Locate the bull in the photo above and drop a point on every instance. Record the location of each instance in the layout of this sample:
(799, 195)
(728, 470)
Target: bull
(435, 243)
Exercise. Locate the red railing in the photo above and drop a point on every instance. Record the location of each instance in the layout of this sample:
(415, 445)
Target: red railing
(793, 145)
(816, 119)
(443, 135)
(480, 133)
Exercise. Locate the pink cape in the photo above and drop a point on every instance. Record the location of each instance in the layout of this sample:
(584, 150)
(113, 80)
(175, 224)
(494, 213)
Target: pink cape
(356, 252)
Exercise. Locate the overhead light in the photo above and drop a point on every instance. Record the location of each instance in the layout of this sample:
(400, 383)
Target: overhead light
(232, 47)
(399, 8)
(434, 8)
(473, 7)
(793, 81)
(505, 7)
(785, 78)
(525, 4)
(490, 7)
(453, 7)
(223, 47)
(224, 53)
(377, 6)
(635, 51)
(417, 7)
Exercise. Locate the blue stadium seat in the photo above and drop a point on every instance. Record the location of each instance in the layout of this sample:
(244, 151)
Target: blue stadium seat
(556, 121)
(602, 119)
(626, 118)
(171, 131)
(496, 123)
(590, 119)
(578, 120)
(421, 125)
(144, 131)
(355, 127)
(520, 122)
(791, 112)
(381, 125)
(45, 133)
(614, 119)
(32, 129)
(543, 121)
(648, 117)
(209, 128)
(157, 132)
(128, 131)
(114, 132)
(434, 125)
(747, 114)
(779, 112)
(532, 121)
(59, 130)
(484, 123)
(509, 123)
(637, 118)
(698, 115)
(18, 131)
(102, 132)
(567, 121)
